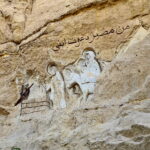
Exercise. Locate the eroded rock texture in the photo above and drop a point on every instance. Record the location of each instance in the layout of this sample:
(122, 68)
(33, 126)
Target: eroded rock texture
(78, 73)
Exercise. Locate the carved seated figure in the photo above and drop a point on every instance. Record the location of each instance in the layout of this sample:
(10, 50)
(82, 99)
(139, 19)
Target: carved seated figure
(36, 101)
(90, 70)
(84, 73)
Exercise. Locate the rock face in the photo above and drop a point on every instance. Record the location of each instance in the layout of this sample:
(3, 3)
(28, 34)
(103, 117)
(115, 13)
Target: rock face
(81, 73)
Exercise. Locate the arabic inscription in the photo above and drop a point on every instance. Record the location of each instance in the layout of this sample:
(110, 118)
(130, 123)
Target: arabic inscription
(90, 38)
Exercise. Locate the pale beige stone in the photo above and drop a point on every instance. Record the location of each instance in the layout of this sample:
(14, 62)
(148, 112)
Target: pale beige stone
(35, 33)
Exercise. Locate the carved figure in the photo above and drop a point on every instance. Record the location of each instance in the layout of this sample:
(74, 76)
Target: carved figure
(82, 74)
(25, 91)
(56, 88)
(90, 70)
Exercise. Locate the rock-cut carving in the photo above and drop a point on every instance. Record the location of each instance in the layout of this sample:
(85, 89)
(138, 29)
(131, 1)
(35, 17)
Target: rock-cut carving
(82, 75)
(56, 87)
(36, 99)
(76, 81)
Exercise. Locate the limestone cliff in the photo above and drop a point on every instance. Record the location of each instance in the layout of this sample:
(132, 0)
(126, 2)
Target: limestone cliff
(78, 72)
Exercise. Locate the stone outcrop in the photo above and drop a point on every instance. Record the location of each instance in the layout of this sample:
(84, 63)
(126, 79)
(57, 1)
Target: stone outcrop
(87, 65)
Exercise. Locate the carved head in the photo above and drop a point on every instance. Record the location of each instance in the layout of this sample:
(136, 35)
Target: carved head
(89, 53)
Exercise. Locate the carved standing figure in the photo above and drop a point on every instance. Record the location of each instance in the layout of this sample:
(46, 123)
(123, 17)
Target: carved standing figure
(56, 87)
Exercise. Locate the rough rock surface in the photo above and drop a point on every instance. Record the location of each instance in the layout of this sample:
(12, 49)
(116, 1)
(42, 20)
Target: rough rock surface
(81, 70)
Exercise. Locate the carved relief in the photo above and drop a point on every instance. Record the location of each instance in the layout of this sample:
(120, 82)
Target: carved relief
(36, 100)
(82, 75)
(56, 86)
(76, 82)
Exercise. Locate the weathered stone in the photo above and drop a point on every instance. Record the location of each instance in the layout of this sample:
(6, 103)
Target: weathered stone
(87, 65)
